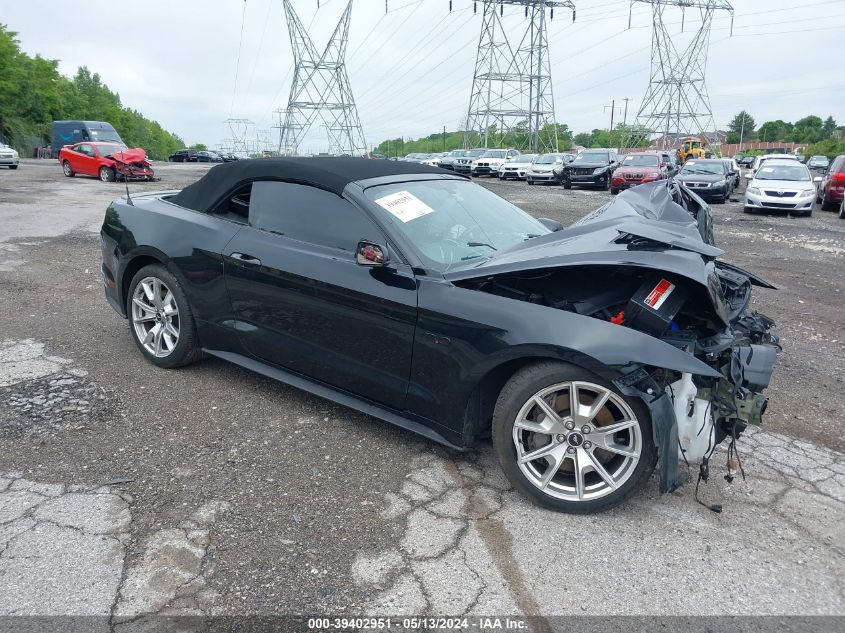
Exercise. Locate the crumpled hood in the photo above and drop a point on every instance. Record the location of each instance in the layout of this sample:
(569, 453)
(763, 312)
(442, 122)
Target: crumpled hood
(647, 212)
(641, 227)
(129, 156)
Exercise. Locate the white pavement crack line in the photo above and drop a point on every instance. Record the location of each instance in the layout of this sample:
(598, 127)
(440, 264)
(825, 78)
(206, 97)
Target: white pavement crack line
(473, 546)
(61, 548)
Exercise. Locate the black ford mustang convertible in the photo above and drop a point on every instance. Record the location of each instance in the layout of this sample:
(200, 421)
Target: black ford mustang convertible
(590, 353)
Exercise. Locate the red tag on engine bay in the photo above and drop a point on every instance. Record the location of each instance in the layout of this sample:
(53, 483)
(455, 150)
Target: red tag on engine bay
(658, 296)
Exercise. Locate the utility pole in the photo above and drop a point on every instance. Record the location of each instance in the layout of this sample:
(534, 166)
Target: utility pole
(444, 138)
(321, 87)
(612, 107)
(625, 117)
(512, 83)
(677, 82)
(741, 133)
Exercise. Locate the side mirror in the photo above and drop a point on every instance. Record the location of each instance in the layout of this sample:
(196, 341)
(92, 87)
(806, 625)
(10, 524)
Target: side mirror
(817, 179)
(552, 225)
(370, 254)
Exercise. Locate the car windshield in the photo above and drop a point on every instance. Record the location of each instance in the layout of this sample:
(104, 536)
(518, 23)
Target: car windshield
(453, 223)
(783, 172)
(592, 157)
(494, 153)
(457, 152)
(819, 160)
(696, 167)
(106, 150)
(104, 135)
(642, 160)
(525, 158)
(474, 153)
(548, 159)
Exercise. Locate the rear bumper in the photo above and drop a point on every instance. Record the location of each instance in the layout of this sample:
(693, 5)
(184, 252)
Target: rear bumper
(835, 193)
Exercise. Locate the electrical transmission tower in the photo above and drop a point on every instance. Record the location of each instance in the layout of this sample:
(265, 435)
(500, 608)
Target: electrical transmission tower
(676, 103)
(239, 130)
(321, 87)
(511, 101)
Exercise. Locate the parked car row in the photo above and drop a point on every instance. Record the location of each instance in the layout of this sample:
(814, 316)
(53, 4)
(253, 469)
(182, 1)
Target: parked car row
(194, 156)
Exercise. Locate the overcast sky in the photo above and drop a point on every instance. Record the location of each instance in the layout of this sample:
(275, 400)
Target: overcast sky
(411, 69)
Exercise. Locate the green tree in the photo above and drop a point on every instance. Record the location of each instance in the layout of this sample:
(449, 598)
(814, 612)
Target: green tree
(741, 126)
(774, 131)
(33, 94)
(583, 138)
(828, 127)
(807, 130)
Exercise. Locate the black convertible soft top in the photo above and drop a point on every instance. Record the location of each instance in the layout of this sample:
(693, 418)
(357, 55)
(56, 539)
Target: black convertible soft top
(329, 173)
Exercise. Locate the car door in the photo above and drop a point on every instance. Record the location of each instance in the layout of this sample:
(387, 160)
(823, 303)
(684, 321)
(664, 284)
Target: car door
(83, 160)
(302, 302)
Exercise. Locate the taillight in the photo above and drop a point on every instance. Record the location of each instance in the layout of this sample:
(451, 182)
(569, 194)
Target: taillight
(838, 177)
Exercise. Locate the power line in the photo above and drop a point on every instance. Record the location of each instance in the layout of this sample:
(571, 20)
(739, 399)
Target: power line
(238, 63)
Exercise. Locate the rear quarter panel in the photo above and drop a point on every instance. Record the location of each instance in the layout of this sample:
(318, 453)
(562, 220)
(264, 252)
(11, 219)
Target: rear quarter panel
(187, 242)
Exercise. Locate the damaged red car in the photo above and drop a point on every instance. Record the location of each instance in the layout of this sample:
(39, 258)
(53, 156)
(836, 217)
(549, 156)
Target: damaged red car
(106, 161)
(637, 169)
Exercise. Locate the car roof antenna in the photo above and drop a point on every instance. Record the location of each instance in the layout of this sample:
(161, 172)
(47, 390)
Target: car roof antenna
(128, 197)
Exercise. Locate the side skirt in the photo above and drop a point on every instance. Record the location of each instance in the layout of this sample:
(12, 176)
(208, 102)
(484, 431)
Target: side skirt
(330, 393)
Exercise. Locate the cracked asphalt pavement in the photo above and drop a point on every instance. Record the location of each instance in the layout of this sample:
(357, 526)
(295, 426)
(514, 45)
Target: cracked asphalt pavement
(130, 492)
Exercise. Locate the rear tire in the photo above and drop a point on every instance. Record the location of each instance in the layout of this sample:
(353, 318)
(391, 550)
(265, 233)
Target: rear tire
(13, 166)
(160, 318)
(626, 456)
(67, 170)
(567, 185)
(826, 204)
(614, 192)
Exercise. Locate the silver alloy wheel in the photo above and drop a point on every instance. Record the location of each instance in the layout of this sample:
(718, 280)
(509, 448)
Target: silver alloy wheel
(104, 174)
(577, 441)
(66, 168)
(155, 316)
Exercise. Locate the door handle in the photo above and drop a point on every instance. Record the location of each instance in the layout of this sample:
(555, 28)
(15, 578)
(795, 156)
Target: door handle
(246, 259)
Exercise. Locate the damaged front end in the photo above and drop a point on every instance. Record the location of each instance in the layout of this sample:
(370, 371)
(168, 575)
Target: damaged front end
(132, 164)
(647, 261)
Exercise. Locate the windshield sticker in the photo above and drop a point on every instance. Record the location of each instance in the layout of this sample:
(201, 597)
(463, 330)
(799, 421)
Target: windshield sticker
(404, 205)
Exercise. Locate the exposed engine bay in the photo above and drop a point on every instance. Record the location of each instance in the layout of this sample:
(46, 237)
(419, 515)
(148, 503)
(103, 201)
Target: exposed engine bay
(667, 284)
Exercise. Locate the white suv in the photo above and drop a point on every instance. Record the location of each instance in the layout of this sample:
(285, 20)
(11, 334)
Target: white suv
(489, 162)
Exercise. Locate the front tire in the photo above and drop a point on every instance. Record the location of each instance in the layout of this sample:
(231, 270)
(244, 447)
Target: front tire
(160, 318)
(107, 174)
(569, 440)
(567, 185)
(67, 170)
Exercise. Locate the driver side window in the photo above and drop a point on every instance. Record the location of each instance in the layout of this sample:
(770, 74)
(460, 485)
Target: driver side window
(310, 215)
